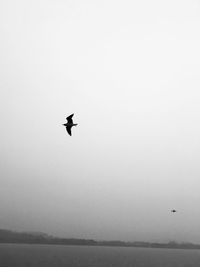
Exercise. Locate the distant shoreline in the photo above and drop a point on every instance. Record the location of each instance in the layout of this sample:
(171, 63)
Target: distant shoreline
(107, 245)
(12, 237)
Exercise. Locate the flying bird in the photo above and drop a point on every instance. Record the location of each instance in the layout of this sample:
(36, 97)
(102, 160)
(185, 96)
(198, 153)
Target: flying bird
(173, 211)
(69, 124)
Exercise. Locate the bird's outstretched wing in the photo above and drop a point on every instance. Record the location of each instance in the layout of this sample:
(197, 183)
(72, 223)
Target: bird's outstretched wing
(69, 118)
(68, 128)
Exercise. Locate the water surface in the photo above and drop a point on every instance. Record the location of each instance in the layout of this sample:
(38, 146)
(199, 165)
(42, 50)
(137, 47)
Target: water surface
(17, 255)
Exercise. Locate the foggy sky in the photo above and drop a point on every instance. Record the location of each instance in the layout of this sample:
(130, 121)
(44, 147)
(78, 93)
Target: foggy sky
(129, 71)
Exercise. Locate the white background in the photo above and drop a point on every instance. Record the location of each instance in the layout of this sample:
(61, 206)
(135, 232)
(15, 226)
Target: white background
(129, 71)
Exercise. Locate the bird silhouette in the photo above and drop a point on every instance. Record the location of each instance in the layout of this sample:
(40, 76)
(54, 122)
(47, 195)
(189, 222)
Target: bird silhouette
(69, 124)
(173, 211)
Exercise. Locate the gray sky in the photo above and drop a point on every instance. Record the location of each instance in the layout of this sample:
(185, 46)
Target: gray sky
(129, 70)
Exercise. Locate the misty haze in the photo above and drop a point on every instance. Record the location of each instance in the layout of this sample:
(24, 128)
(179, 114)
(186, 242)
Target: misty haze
(129, 72)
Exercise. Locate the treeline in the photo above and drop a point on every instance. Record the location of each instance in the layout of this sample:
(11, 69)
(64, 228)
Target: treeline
(7, 236)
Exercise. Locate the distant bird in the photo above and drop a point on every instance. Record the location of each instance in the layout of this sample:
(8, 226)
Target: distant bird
(173, 211)
(69, 124)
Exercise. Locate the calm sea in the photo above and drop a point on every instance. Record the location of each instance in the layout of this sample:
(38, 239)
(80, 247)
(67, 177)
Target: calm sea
(15, 255)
